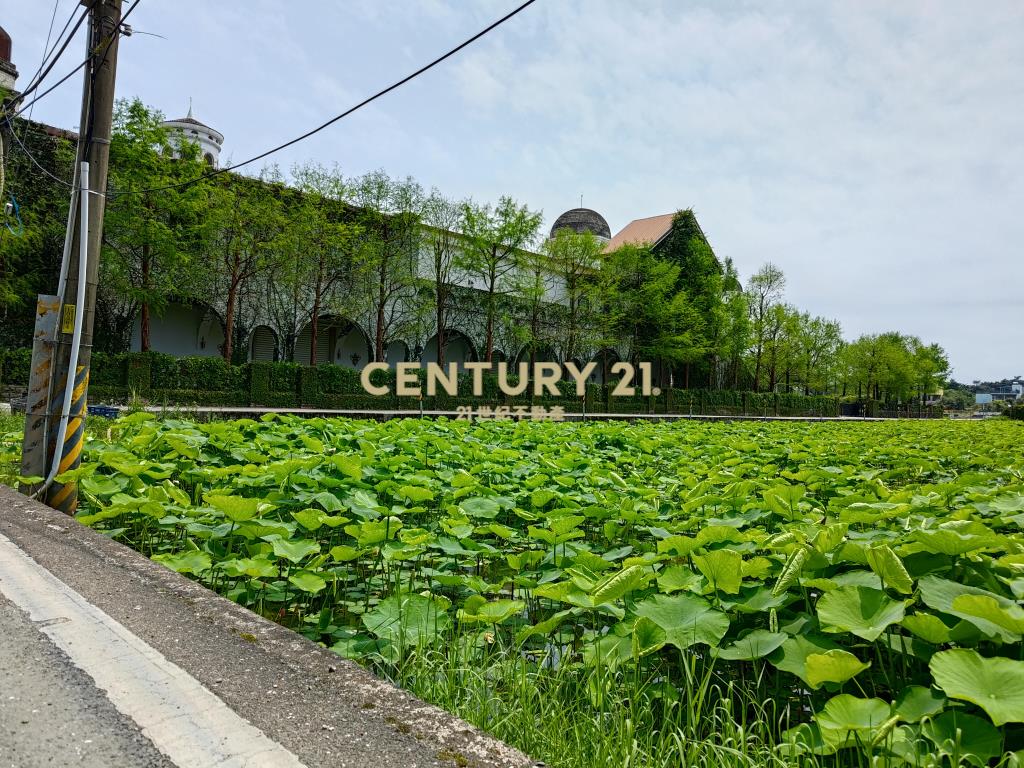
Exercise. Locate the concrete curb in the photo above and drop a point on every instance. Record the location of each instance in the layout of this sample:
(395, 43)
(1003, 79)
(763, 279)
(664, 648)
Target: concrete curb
(324, 709)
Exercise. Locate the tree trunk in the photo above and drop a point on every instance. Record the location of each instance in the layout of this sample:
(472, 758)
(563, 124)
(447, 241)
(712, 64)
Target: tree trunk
(489, 336)
(314, 324)
(144, 343)
(229, 321)
(440, 329)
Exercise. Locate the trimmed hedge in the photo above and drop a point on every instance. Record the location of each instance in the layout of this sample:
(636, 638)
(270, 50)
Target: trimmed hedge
(1016, 412)
(166, 380)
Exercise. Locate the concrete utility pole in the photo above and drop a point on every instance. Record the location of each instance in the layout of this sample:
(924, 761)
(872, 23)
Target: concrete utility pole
(65, 319)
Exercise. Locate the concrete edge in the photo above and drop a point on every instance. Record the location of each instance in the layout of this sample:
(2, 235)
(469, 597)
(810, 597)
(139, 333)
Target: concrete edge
(325, 709)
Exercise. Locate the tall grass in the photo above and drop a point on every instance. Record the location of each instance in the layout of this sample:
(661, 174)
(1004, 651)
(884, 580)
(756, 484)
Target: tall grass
(574, 716)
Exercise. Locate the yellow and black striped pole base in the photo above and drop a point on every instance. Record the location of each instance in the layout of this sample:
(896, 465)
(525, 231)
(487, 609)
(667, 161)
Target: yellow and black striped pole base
(65, 497)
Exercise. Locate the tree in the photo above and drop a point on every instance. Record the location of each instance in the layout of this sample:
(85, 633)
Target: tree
(443, 220)
(149, 238)
(385, 269)
(701, 278)
(642, 309)
(496, 238)
(734, 323)
(247, 218)
(532, 282)
(764, 291)
(320, 242)
(574, 260)
(30, 255)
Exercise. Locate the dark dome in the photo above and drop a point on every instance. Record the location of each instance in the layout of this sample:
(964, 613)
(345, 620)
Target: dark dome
(5, 46)
(582, 220)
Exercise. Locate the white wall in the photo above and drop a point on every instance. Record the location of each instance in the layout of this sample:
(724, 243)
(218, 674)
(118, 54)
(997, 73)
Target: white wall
(181, 330)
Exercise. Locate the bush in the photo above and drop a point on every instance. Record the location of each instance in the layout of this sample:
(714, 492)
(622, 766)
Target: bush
(15, 365)
(1016, 412)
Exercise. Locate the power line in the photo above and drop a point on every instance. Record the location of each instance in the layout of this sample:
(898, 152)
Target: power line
(344, 114)
(64, 79)
(41, 73)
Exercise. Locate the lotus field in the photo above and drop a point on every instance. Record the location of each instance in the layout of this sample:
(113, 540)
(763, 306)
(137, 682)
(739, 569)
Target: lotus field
(619, 594)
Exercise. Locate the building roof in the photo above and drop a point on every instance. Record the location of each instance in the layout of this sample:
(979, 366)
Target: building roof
(5, 46)
(650, 230)
(582, 220)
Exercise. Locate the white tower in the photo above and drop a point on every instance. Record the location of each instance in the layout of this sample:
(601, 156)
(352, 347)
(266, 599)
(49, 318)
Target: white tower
(8, 72)
(209, 140)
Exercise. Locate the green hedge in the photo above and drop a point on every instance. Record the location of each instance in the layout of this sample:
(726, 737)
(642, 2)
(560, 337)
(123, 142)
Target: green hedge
(166, 380)
(1016, 412)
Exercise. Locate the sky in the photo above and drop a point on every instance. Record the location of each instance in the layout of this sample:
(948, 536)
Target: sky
(873, 150)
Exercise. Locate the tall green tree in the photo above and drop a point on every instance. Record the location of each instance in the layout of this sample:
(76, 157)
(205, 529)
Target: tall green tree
(150, 238)
(30, 254)
(643, 310)
(497, 237)
(764, 293)
(247, 218)
(386, 262)
(443, 221)
(574, 261)
(320, 241)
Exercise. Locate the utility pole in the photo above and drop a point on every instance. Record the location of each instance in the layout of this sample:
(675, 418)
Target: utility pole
(62, 348)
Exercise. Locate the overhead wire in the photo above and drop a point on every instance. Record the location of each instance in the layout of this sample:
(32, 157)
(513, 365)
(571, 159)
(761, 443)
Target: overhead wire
(346, 113)
(82, 129)
(44, 67)
(23, 107)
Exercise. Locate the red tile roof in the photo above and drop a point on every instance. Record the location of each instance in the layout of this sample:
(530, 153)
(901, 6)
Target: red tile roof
(649, 230)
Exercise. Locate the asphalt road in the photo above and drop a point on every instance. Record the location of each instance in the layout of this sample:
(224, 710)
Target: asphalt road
(51, 712)
(110, 657)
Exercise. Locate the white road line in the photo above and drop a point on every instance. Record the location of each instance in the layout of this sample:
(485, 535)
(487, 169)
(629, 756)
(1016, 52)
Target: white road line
(184, 720)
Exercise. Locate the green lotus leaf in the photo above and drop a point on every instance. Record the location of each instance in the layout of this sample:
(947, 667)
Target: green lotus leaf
(620, 584)
(687, 619)
(948, 542)
(408, 619)
(753, 645)
(862, 611)
(1007, 616)
(916, 702)
(648, 637)
(994, 684)
(676, 578)
(941, 595)
(835, 666)
(890, 568)
(722, 568)
(185, 562)
(792, 655)
(480, 507)
(294, 550)
(328, 501)
(928, 627)
(307, 581)
(845, 713)
(415, 494)
(350, 466)
(308, 518)
(236, 508)
(957, 734)
(478, 609)
(680, 546)
(375, 531)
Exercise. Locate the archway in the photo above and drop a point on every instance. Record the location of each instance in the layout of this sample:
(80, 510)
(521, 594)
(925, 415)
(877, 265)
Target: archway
(396, 352)
(338, 340)
(458, 349)
(605, 359)
(263, 344)
(181, 329)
